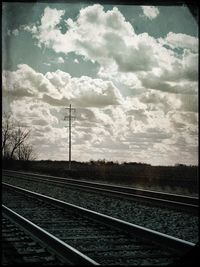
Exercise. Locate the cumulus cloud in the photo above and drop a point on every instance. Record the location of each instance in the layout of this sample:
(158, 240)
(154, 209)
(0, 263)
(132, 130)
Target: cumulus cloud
(142, 103)
(15, 32)
(58, 88)
(60, 60)
(150, 12)
(181, 77)
(121, 52)
(83, 91)
(134, 127)
(57, 60)
(47, 64)
(51, 18)
(22, 82)
(180, 40)
(47, 30)
(117, 48)
(115, 43)
(189, 103)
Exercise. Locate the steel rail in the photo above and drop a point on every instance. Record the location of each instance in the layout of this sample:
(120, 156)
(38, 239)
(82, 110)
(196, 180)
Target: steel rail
(172, 200)
(163, 240)
(67, 253)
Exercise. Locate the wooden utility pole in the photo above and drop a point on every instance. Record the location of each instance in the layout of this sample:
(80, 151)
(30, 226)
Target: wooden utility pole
(70, 137)
(70, 117)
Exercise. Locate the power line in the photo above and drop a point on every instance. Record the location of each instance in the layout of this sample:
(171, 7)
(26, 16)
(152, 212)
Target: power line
(69, 117)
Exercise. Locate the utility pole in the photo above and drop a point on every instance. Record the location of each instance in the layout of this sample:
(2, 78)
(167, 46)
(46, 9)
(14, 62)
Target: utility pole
(69, 118)
(19, 144)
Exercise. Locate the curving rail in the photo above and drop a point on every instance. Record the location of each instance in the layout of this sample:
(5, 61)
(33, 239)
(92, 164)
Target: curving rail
(173, 200)
(66, 254)
(104, 239)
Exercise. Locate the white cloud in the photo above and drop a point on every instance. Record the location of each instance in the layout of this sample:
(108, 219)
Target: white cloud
(30, 28)
(82, 92)
(150, 12)
(57, 60)
(117, 48)
(47, 29)
(51, 18)
(21, 82)
(180, 77)
(59, 88)
(139, 108)
(180, 40)
(189, 103)
(112, 35)
(47, 64)
(32, 113)
(60, 60)
(15, 32)
(133, 53)
(126, 131)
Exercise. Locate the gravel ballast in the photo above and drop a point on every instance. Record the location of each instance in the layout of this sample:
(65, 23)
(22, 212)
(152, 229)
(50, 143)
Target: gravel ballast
(176, 223)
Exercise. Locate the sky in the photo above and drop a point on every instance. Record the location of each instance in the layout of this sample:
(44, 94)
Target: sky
(130, 72)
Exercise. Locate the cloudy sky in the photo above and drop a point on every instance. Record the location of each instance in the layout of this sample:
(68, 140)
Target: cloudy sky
(131, 72)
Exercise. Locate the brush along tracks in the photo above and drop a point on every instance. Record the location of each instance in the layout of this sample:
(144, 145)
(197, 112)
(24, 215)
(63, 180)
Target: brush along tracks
(103, 239)
(181, 202)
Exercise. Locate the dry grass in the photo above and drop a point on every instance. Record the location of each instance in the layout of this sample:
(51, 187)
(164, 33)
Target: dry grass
(178, 179)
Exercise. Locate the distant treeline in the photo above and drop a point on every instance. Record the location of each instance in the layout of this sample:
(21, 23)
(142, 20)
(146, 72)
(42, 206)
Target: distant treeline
(129, 173)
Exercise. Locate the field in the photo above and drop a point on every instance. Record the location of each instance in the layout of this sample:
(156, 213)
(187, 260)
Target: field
(180, 179)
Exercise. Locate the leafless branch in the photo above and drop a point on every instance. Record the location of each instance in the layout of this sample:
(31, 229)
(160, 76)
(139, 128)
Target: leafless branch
(15, 140)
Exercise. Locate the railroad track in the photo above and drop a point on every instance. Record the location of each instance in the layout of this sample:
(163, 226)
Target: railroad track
(23, 242)
(103, 239)
(186, 203)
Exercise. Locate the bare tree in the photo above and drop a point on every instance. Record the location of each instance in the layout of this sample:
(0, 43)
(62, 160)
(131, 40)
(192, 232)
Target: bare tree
(26, 152)
(7, 127)
(18, 138)
(15, 143)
